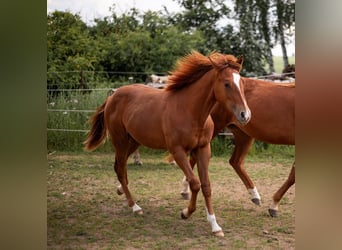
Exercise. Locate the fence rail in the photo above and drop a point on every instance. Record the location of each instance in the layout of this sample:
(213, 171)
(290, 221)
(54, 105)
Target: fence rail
(69, 90)
(109, 89)
(67, 130)
(71, 110)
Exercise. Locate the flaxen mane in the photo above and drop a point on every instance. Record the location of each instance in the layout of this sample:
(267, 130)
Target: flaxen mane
(193, 66)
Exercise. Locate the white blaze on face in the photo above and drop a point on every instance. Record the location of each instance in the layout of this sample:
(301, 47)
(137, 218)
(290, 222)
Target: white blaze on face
(236, 78)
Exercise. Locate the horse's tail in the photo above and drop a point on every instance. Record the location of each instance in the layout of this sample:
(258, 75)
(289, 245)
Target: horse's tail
(98, 132)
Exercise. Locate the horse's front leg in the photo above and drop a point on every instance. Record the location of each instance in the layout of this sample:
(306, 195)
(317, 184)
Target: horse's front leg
(243, 144)
(202, 155)
(273, 210)
(185, 193)
(181, 159)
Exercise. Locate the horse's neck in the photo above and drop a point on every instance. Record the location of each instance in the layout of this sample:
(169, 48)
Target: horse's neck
(221, 116)
(198, 98)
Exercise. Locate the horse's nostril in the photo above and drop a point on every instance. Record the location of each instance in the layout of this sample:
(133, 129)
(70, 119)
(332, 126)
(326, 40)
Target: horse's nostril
(243, 115)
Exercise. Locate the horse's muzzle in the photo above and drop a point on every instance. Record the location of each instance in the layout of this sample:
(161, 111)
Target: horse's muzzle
(244, 117)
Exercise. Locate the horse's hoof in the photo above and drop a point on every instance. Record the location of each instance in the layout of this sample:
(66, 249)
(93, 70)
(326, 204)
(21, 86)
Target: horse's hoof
(256, 201)
(273, 212)
(218, 234)
(139, 163)
(139, 212)
(185, 196)
(183, 216)
(118, 191)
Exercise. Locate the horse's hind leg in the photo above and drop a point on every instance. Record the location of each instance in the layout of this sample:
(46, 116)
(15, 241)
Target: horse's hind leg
(273, 210)
(136, 158)
(243, 144)
(120, 166)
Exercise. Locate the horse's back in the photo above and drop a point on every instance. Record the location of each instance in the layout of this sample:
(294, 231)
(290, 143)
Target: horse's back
(273, 113)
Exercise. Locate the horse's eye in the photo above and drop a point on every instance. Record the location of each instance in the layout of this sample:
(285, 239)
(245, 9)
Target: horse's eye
(226, 84)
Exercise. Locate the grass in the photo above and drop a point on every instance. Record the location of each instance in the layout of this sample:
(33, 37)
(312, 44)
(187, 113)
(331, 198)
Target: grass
(69, 120)
(279, 64)
(84, 211)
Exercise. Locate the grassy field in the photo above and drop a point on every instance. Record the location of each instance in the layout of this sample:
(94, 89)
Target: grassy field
(279, 64)
(84, 211)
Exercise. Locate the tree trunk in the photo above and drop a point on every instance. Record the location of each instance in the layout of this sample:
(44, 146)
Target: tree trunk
(283, 48)
(280, 11)
(270, 60)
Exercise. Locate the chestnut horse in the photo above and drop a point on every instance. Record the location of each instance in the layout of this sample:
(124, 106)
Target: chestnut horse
(175, 118)
(273, 121)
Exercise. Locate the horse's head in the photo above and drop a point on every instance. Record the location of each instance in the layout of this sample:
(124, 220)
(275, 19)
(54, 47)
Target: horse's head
(228, 88)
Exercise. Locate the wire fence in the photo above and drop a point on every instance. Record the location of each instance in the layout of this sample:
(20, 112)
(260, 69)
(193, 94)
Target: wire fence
(106, 90)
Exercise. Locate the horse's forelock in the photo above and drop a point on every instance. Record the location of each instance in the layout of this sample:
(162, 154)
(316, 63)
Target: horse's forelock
(225, 61)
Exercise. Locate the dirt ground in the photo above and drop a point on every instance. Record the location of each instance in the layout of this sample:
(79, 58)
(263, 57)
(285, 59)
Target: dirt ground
(85, 212)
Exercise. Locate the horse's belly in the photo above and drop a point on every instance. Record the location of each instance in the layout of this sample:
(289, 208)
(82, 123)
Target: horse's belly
(147, 134)
(149, 140)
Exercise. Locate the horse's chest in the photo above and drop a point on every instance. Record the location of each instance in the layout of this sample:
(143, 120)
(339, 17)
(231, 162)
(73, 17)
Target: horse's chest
(201, 137)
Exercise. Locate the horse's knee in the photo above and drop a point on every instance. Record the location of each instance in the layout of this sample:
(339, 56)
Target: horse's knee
(195, 185)
(236, 164)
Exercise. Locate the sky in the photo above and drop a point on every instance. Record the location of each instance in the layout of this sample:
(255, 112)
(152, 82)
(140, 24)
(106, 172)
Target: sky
(91, 9)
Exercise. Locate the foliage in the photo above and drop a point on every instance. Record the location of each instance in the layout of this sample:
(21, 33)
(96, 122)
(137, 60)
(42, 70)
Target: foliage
(69, 49)
(285, 16)
(136, 44)
(70, 118)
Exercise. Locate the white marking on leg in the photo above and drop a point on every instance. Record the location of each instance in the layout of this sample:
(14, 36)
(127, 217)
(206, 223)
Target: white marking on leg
(212, 220)
(136, 208)
(254, 193)
(186, 212)
(274, 205)
(120, 189)
(186, 188)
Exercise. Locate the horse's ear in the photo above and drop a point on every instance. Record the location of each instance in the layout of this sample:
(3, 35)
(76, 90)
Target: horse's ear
(240, 59)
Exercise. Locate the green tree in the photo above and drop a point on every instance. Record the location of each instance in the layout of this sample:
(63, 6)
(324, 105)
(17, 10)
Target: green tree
(285, 21)
(151, 42)
(69, 49)
(203, 16)
(241, 35)
(141, 43)
(263, 7)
